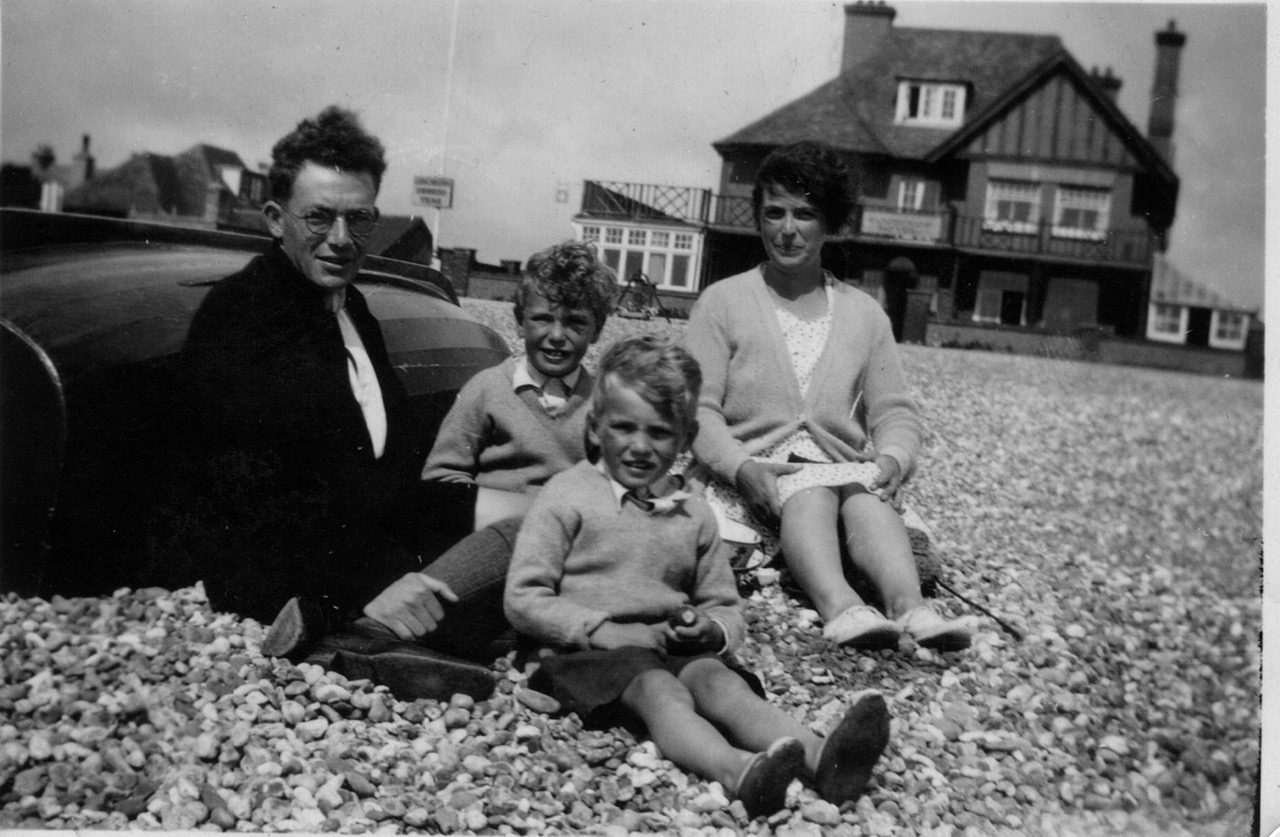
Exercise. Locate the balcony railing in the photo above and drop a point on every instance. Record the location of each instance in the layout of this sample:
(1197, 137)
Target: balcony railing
(1114, 246)
(637, 201)
(645, 201)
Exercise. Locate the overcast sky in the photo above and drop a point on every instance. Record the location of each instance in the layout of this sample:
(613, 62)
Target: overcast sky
(513, 99)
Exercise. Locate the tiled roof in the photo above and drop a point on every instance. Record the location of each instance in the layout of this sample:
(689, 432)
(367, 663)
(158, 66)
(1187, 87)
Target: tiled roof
(855, 111)
(218, 157)
(145, 182)
(1170, 285)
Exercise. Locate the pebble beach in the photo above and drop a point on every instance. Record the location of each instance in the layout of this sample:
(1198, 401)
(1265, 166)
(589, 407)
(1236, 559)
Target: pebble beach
(1112, 516)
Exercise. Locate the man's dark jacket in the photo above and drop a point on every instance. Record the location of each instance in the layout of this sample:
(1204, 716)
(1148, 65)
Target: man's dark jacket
(282, 493)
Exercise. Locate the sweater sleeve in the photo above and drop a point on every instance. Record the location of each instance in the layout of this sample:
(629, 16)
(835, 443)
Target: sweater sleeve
(893, 419)
(716, 590)
(707, 338)
(532, 602)
(455, 455)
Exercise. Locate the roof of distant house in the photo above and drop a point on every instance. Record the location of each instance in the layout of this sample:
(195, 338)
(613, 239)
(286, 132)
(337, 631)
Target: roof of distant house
(855, 111)
(1171, 286)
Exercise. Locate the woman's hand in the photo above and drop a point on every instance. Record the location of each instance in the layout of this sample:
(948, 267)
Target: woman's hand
(757, 482)
(617, 634)
(695, 637)
(890, 480)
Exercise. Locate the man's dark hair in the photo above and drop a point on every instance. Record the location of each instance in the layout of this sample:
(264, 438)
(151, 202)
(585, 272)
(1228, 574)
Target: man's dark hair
(811, 170)
(334, 139)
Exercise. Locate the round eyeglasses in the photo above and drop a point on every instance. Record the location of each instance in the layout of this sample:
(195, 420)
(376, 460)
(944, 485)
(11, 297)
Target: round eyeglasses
(319, 220)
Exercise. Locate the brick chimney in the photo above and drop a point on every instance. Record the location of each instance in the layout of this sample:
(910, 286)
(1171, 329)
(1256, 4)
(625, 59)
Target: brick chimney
(84, 164)
(1108, 84)
(1164, 90)
(456, 265)
(866, 25)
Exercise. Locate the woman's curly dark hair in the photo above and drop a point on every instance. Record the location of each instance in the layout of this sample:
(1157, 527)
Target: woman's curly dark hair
(334, 139)
(813, 170)
(568, 274)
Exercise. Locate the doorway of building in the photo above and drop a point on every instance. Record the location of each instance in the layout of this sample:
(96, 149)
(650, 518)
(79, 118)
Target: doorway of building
(1012, 304)
(1198, 324)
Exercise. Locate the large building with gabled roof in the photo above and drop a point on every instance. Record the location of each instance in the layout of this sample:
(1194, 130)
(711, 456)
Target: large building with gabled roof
(998, 179)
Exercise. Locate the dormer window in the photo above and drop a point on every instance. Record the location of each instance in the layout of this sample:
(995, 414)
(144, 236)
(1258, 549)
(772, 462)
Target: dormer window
(930, 103)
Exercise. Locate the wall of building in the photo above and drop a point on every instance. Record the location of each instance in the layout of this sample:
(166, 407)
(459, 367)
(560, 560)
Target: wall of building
(1090, 346)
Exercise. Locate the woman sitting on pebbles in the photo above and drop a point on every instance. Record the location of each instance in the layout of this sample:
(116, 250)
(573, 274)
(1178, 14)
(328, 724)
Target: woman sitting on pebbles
(805, 410)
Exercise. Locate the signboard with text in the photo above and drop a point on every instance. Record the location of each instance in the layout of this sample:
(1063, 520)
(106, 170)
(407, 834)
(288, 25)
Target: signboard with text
(901, 225)
(433, 191)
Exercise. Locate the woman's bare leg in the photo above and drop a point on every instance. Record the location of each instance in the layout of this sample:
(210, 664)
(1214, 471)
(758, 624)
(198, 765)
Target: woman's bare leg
(878, 545)
(810, 541)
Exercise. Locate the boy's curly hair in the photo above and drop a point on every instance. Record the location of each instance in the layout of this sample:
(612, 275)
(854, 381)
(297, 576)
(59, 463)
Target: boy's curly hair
(812, 170)
(334, 139)
(568, 274)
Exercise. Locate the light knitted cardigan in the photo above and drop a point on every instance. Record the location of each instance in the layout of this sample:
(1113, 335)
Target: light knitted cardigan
(497, 438)
(581, 559)
(751, 398)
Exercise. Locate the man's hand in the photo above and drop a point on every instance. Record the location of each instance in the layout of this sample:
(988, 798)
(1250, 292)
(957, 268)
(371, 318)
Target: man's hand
(886, 485)
(757, 482)
(697, 637)
(617, 634)
(410, 608)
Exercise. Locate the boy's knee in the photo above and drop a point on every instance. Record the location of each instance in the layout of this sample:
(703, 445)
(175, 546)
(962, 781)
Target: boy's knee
(710, 681)
(657, 687)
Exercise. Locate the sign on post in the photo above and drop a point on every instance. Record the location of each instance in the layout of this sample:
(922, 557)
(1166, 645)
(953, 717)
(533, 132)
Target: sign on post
(433, 191)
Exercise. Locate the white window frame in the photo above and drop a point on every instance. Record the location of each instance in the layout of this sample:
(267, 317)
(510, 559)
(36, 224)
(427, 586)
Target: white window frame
(1228, 329)
(1011, 191)
(629, 247)
(938, 104)
(1090, 200)
(910, 194)
(1167, 322)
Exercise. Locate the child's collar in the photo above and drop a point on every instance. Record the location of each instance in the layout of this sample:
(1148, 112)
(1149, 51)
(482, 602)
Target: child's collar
(526, 374)
(669, 495)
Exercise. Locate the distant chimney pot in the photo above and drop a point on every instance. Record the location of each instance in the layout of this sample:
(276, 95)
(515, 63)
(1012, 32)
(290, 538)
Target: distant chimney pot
(1164, 90)
(866, 25)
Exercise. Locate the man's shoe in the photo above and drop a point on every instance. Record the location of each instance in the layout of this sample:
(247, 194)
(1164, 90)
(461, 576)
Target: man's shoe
(295, 631)
(412, 672)
(862, 627)
(853, 748)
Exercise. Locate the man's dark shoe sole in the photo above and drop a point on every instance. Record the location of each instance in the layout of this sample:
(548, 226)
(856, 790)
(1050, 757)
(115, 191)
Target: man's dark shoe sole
(413, 673)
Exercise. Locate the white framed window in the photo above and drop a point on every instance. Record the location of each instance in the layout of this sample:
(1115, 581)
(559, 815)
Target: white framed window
(930, 103)
(1229, 325)
(1012, 206)
(1229, 330)
(664, 257)
(1081, 213)
(910, 195)
(1167, 323)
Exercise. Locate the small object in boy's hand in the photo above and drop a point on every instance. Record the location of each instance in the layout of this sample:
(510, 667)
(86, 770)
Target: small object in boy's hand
(686, 616)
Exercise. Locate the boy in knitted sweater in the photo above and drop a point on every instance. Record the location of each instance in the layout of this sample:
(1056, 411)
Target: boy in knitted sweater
(517, 424)
(622, 577)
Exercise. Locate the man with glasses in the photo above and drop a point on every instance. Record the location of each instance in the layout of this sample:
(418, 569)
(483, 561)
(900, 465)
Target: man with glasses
(302, 501)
